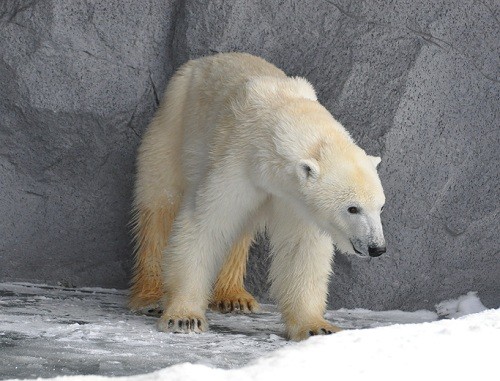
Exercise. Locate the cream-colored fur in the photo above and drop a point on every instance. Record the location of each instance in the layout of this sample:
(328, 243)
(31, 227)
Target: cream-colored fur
(229, 291)
(236, 146)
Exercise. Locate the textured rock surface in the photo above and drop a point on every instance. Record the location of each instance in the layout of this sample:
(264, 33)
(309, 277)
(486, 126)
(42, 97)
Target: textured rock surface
(416, 82)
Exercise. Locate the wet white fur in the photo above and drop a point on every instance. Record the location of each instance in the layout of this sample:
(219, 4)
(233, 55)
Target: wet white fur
(243, 146)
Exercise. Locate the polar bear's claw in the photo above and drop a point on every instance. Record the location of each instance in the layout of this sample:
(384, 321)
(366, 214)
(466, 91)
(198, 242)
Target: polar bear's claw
(182, 324)
(241, 302)
(297, 332)
(326, 330)
(154, 312)
(322, 331)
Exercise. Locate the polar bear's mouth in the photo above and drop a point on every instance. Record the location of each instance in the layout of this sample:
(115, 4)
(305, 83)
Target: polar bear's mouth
(355, 250)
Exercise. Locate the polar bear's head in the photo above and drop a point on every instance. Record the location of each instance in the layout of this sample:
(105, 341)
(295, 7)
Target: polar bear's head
(312, 160)
(344, 196)
(331, 180)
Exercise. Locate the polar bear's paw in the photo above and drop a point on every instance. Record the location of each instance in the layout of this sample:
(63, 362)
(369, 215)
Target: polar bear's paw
(151, 310)
(234, 301)
(182, 324)
(302, 332)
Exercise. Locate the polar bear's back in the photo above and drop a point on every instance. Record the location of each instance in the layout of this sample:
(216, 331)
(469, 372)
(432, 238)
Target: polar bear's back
(199, 99)
(212, 83)
(227, 70)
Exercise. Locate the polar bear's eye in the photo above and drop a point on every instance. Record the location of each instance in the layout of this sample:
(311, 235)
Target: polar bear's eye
(353, 210)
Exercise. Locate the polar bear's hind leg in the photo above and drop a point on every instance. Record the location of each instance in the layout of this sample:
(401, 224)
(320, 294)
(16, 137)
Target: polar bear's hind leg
(158, 193)
(229, 293)
(150, 228)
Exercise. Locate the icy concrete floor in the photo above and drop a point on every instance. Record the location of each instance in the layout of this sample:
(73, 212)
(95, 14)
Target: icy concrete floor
(50, 331)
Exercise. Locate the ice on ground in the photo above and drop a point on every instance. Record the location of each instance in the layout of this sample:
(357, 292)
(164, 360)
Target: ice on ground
(47, 332)
(464, 305)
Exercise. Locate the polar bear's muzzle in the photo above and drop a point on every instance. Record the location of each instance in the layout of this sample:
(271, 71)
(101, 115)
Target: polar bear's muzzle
(373, 250)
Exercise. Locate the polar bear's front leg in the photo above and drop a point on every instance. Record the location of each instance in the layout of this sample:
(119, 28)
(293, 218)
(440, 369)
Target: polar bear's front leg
(201, 237)
(190, 264)
(300, 272)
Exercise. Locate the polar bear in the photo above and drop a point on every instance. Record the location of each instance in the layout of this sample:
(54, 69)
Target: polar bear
(237, 146)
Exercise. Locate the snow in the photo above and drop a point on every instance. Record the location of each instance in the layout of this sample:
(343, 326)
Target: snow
(86, 334)
(464, 305)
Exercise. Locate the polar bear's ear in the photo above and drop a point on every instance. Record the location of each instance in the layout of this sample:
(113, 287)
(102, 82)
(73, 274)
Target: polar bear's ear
(303, 87)
(375, 160)
(308, 169)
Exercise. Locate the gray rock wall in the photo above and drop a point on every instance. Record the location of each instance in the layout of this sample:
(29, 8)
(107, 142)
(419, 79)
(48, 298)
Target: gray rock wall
(416, 82)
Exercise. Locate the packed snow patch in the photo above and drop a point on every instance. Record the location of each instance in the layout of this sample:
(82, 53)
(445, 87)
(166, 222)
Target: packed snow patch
(464, 305)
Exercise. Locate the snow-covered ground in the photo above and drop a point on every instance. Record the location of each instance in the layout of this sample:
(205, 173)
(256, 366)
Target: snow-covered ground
(49, 332)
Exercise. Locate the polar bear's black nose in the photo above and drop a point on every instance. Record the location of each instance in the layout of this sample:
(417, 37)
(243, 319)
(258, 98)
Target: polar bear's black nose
(376, 251)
